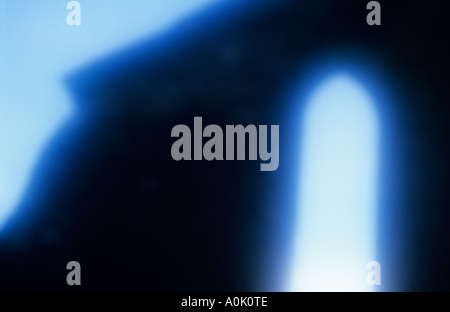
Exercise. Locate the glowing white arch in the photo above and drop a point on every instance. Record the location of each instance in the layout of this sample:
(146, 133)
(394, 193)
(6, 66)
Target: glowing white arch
(336, 220)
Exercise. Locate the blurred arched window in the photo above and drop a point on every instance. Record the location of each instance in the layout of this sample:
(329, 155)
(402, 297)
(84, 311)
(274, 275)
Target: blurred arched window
(336, 216)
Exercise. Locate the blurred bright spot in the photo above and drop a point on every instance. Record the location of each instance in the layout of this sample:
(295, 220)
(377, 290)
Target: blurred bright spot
(336, 222)
(37, 48)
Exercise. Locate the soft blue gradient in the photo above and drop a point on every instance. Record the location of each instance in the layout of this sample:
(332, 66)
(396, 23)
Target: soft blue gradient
(336, 223)
(37, 48)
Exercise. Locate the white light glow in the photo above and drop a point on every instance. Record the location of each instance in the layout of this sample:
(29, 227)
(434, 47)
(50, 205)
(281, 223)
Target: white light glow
(335, 232)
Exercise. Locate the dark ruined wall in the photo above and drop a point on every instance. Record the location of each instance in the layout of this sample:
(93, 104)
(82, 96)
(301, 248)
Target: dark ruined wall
(107, 193)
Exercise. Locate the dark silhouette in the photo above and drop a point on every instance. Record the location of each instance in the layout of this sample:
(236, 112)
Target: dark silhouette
(107, 193)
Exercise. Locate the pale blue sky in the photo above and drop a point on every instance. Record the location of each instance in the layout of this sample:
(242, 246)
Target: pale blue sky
(37, 48)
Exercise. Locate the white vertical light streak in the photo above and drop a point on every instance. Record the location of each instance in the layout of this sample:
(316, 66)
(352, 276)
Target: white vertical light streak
(336, 219)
